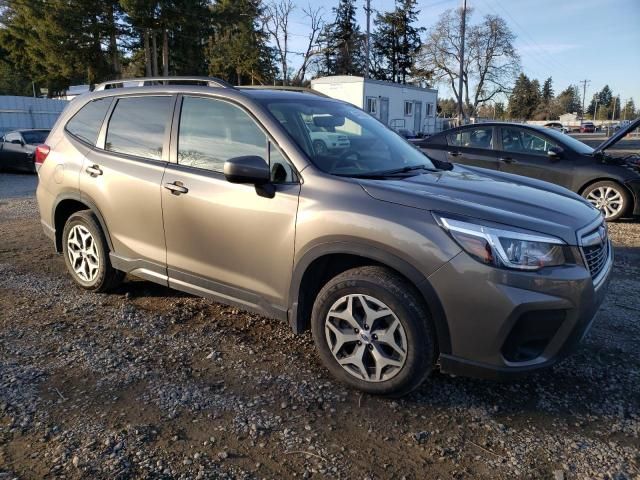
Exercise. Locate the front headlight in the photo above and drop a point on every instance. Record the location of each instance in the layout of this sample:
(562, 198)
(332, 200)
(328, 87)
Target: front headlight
(503, 248)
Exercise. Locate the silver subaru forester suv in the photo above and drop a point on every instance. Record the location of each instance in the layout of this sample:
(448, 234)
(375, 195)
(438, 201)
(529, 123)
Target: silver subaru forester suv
(398, 264)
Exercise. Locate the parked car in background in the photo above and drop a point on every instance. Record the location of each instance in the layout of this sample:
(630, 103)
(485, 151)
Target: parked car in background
(406, 133)
(398, 265)
(17, 149)
(587, 127)
(324, 139)
(557, 126)
(609, 183)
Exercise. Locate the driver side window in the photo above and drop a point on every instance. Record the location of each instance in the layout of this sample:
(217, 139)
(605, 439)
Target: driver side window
(518, 140)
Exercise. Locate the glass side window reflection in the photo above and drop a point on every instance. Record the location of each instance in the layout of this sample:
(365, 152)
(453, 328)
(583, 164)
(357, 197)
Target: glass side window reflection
(213, 131)
(522, 141)
(472, 138)
(137, 126)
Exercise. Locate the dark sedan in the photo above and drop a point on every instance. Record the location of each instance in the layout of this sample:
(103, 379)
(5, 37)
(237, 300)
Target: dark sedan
(611, 183)
(17, 149)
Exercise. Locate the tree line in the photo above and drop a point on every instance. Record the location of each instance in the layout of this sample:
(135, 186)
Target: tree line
(52, 44)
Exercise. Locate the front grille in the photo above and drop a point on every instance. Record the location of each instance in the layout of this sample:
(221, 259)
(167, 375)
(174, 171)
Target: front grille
(595, 248)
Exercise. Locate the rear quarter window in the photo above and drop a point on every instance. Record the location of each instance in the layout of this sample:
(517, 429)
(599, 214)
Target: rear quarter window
(86, 123)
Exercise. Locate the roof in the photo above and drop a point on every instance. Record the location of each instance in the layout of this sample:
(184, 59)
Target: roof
(333, 79)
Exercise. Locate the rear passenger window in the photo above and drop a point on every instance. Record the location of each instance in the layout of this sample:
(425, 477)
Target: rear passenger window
(137, 126)
(213, 131)
(86, 123)
(472, 138)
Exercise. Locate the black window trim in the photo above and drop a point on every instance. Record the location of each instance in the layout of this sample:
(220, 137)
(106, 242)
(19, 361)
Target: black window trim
(175, 130)
(102, 136)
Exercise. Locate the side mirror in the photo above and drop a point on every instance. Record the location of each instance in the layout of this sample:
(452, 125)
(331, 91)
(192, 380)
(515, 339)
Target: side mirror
(17, 141)
(250, 169)
(555, 153)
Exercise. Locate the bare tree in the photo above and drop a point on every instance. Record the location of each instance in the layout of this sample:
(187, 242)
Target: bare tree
(491, 62)
(316, 24)
(276, 23)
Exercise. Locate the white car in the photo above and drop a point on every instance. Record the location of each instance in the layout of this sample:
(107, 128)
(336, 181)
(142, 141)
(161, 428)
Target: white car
(557, 126)
(323, 140)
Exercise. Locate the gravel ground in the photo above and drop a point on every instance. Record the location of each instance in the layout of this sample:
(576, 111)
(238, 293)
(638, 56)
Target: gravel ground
(151, 383)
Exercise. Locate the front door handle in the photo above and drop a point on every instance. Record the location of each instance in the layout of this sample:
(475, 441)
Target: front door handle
(176, 188)
(508, 160)
(454, 154)
(94, 170)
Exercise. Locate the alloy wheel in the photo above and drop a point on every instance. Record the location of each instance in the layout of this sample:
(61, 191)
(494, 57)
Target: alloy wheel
(366, 338)
(82, 250)
(606, 199)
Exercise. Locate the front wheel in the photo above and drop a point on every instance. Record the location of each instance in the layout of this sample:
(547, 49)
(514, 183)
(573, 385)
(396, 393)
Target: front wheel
(320, 148)
(611, 198)
(372, 331)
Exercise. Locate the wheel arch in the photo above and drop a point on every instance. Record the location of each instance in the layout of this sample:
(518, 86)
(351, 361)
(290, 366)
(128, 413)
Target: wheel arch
(68, 204)
(325, 261)
(604, 179)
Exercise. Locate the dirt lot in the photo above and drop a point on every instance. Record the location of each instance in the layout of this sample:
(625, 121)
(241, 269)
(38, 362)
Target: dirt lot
(150, 383)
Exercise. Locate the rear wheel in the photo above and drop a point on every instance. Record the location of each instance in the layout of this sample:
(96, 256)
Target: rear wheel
(86, 253)
(611, 198)
(372, 331)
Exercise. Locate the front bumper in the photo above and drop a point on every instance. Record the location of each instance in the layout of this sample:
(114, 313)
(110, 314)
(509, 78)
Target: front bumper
(505, 322)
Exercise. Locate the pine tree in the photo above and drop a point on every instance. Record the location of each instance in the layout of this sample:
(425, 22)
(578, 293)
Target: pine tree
(547, 90)
(629, 110)
(342, 43)
(524, 98)
(397, 41)
(238, 50)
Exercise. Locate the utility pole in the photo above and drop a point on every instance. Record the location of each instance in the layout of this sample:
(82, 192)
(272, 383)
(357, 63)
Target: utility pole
(367, 9)
(462, 34)
(613, 112)
(584, 92)
(595, 111)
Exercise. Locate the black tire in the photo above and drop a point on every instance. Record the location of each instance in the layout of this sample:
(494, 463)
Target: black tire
(106, 277)
(319, 147)
(405, 302)
(595, 190)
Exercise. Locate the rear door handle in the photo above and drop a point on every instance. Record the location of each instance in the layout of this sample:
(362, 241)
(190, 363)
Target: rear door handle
(94, 170)
(507, 160)
(454, 154)
(176, 188)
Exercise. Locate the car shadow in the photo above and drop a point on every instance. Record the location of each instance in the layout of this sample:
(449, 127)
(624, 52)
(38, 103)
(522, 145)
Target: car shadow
(140, 288)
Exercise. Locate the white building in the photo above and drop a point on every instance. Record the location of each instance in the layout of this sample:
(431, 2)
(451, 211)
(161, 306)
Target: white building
(399, 106)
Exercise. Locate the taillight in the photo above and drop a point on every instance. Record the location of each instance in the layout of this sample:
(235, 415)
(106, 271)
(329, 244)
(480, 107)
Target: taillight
(42, 151)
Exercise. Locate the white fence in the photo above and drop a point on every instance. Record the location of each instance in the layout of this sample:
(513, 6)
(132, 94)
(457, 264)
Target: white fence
(28, 112)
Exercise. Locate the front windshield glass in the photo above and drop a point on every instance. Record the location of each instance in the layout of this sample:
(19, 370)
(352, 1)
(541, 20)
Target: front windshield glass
(343, 140)
(576, 145)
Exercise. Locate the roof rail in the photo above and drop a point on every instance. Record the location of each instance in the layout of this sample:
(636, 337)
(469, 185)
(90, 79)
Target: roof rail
(285, 88)
(146, 81)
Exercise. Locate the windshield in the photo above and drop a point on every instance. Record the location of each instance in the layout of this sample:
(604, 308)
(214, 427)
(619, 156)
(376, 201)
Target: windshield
(572, 143)
(35, 137)
(343, 140)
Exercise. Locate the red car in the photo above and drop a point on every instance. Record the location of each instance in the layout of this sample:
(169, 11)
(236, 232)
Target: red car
(587, 127)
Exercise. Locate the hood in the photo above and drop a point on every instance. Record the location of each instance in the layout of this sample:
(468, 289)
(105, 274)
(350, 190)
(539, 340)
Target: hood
(614, 138)
(489, 195)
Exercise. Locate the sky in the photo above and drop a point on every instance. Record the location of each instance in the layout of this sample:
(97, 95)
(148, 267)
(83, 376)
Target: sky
(568, 40)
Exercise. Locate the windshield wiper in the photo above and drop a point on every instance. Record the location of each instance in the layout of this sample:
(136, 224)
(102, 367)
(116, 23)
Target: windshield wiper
(406, 170)
(387, 173)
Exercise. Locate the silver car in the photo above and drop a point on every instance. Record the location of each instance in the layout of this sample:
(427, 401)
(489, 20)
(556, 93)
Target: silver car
(398, 264)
